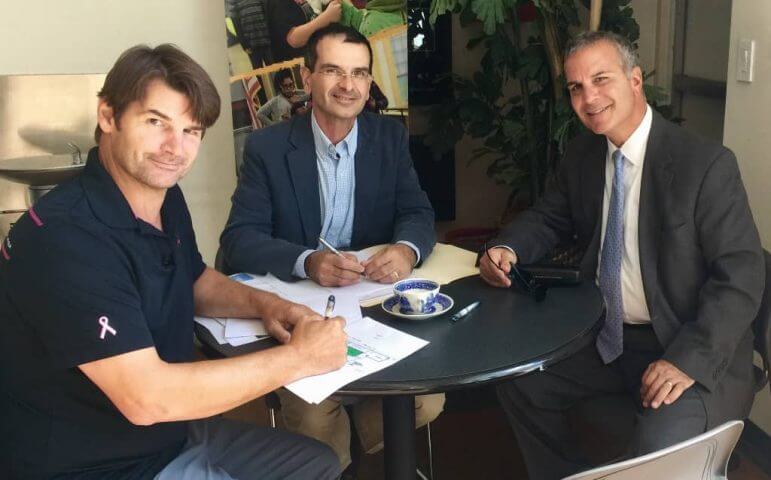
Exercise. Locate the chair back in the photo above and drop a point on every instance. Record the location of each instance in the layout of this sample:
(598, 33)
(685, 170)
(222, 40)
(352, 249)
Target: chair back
(762, 328)
(704, 457)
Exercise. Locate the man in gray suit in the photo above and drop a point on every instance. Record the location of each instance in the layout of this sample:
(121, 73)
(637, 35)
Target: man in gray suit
(669, 238)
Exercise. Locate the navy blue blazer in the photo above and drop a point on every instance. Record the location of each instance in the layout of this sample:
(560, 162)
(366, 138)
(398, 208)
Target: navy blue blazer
(276, 212)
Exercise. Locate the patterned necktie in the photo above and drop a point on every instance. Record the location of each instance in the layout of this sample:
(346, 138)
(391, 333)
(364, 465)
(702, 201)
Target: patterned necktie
(610, 340)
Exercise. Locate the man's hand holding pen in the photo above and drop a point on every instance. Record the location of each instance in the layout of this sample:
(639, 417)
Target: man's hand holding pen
(323, 344)
(332, 268)
(321, 341)
(329, 269)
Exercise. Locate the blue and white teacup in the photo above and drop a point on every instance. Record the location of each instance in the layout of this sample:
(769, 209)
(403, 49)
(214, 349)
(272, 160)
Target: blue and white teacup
(416, 295)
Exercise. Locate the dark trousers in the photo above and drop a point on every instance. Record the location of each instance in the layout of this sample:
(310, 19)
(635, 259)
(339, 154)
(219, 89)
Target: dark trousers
(222, 449)
(537, 406)
(260, 57)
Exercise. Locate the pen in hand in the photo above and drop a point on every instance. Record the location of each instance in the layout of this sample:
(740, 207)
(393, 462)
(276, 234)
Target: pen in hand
(464, 312)
(331, 248)
(330, 307)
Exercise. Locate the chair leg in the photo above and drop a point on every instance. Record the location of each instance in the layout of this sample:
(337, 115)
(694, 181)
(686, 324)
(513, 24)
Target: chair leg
(430, 457)
(430, 452)
(272, 413)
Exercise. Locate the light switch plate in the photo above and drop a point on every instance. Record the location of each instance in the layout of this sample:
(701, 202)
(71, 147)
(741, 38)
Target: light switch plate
(745, 60)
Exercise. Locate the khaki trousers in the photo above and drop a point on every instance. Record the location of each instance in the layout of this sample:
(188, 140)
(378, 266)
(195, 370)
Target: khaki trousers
(328, 421)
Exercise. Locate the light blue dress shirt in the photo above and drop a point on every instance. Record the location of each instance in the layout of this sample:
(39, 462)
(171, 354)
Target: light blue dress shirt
(337, 185)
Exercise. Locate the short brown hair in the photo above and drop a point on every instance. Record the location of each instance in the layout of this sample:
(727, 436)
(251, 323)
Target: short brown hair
(128, 79)
(349, 34)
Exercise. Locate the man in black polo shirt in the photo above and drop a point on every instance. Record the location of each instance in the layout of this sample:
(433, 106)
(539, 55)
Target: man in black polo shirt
(99, 282)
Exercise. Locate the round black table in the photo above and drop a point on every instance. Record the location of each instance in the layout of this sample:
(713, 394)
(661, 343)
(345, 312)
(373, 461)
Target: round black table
(508, 335)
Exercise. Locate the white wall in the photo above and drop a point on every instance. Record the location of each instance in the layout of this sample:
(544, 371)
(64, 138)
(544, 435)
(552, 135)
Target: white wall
(655, 45)
(748, 134)
(706, 56)
(83, 36)
(646, 15)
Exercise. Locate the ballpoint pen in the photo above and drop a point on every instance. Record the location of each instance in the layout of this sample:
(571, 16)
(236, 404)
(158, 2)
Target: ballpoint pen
(335, 251)
(330, 307)
(330, 247)
(464, 311)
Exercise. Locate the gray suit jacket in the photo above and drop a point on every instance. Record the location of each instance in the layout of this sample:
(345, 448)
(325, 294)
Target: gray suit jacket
(700, 255)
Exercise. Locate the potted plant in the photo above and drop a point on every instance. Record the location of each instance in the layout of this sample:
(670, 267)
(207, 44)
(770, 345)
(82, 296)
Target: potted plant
(523, 135)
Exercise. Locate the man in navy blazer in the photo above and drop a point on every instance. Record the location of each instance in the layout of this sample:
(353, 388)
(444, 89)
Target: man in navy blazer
(345, 176)
(276, 213)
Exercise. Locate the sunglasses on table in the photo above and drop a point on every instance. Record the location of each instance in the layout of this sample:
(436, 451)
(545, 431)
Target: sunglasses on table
(521, 280)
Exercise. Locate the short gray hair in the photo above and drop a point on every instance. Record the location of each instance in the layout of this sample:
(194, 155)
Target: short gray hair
(627, 53)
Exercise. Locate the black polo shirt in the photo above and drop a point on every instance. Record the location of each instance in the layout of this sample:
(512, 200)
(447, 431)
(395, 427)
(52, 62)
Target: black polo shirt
(282, 16)
(82, 279)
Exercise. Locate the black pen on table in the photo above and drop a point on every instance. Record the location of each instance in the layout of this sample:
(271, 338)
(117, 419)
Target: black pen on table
(464, 311)
(330, 307)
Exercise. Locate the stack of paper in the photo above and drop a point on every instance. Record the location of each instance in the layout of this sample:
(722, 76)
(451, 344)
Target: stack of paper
(372, 346)
(447, 263)
(217, 327)
(363, 291)
(303, 290)
(240, 331)
(366, 290)
(243, 327)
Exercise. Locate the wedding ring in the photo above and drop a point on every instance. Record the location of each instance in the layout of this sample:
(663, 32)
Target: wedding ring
(395, 274)
(668, 383)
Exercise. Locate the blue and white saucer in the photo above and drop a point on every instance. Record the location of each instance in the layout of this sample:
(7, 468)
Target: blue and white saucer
(443, 304)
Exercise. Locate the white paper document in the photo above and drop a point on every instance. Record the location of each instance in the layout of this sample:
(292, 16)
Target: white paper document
(303, 290)
(240, 331)
(346, 307)
(372, 346)
(364, 290)
(216, 326)
(237, 342)
(296, 291)
(244, 327)
(260, 282)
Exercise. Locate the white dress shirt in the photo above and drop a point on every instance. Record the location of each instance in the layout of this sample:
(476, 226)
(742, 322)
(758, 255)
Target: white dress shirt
(632, 292)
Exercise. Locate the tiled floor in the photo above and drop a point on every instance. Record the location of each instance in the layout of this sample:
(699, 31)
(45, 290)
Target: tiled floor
(469, 444)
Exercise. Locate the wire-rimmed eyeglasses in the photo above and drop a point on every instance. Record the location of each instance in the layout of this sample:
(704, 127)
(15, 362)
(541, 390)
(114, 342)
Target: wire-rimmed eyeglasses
(339, 74)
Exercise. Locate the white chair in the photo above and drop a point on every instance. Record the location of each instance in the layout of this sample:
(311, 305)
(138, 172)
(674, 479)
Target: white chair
(701, 458)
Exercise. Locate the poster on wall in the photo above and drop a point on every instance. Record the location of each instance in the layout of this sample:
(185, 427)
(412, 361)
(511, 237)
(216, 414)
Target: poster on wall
(266, 55)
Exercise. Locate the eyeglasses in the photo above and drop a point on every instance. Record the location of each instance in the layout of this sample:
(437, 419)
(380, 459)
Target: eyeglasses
(520, 279)
(339, 74)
